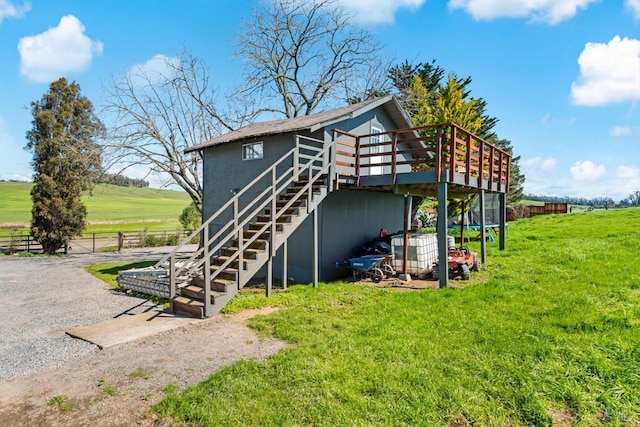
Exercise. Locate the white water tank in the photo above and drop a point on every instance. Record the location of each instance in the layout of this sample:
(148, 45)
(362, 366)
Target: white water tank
(422, 252)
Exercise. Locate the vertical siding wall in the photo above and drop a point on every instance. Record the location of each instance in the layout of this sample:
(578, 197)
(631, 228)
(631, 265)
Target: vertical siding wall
(348, 218)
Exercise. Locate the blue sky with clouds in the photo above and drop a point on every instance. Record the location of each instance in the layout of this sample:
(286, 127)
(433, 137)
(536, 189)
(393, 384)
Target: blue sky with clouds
(562, 76)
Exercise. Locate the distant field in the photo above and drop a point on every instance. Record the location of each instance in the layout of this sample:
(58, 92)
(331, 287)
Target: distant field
(109, 207)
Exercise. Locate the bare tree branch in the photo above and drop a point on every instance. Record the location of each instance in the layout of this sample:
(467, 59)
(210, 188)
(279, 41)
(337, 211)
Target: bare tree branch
(158, 113)
(304, 55)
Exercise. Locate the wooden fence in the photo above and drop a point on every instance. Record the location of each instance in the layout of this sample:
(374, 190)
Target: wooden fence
(534, 210)
(95, 242)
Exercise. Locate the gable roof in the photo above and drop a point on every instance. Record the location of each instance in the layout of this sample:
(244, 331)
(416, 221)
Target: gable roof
(312, 122)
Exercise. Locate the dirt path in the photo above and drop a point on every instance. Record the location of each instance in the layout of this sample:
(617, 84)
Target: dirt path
(117, 386)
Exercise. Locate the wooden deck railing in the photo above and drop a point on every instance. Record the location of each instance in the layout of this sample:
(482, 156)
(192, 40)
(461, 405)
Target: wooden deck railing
(442, 147)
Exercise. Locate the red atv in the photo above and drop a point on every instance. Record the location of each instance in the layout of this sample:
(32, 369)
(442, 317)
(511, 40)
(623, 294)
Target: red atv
(460, 261)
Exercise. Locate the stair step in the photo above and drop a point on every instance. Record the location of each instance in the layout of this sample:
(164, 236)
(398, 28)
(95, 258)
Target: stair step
(292, 211)
(218, 285)
(305, 178)
(316, 188)
(280, 203)
(248, 253)
(261, 225)
(197, 293)
(187, 306)
(221, 259)
(283, 219)
(247, 234)
(228, 273)
(259, 244)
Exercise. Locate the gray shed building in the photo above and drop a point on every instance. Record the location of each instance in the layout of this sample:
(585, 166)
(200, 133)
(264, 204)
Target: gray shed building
(288, 198)
(345, 218)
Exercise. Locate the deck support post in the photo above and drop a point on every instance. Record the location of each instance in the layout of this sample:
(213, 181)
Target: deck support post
(442, 233)
(503, 220)
(269, 276)
(285, 261)
(405, 235)
(483, 231)
(315, 247)
(462, 221)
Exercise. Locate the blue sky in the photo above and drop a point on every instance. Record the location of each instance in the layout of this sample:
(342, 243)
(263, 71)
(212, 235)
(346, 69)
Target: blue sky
(562, 76)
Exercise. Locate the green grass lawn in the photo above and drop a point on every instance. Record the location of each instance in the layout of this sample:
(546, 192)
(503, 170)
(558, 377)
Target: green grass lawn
(110, 208)
(548, 334)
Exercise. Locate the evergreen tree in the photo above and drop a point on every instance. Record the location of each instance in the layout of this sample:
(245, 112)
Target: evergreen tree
(516, 178)
(65, 160)
(453, 105)
(428, 101)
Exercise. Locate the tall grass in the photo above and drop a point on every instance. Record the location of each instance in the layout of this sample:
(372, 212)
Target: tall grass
(548, 334)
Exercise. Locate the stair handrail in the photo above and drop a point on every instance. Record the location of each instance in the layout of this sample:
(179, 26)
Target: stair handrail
(189, 265)
(237, 230)
(240, 227)
(224, 207)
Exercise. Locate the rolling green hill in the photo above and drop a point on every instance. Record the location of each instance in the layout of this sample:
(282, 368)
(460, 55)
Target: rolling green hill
(107, 205)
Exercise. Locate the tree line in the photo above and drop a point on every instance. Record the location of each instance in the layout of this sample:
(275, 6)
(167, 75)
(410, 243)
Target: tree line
(120, 180)
(299, 57)
(632, 200)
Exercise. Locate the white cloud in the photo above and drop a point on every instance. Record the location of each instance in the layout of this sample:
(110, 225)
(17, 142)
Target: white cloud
(619, 131)
(154, 70)
(633, 6)
(628, 172)
(378, 11)
(629, 179)
(538, 163)
(549, 11)
(545, 118)
(57, 51)
(609, 73)
(9, 10)
(586, 171)
(548, 164)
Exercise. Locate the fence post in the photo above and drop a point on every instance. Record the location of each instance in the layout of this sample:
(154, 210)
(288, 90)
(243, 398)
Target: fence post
(28, 246)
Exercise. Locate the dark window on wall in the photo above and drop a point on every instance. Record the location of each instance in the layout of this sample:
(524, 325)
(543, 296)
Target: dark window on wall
(252, 151)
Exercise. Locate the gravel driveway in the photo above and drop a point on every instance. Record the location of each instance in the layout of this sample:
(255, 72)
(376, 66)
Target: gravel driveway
(42, 297)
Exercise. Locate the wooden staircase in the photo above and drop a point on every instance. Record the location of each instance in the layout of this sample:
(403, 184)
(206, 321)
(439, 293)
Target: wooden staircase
(226, 272)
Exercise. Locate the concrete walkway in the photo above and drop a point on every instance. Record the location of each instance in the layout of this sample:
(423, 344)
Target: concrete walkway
(130, 328)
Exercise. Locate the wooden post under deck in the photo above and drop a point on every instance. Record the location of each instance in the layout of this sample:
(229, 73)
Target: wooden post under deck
(462, 222)
(315, 247)
(269, 276)
(483, 223)
(285, 261)
(442, 233)
(405, 242)
(503, 219)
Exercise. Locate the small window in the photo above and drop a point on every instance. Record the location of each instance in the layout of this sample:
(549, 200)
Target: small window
(375, 135)
(252, 151)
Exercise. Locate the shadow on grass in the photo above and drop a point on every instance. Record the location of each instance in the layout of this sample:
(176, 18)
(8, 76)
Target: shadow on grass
(114, 269)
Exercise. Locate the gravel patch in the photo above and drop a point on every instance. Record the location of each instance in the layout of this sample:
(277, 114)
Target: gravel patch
(45, 296)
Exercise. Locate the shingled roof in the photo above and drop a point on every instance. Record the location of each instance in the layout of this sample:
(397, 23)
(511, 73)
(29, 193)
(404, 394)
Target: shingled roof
(311, 122)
